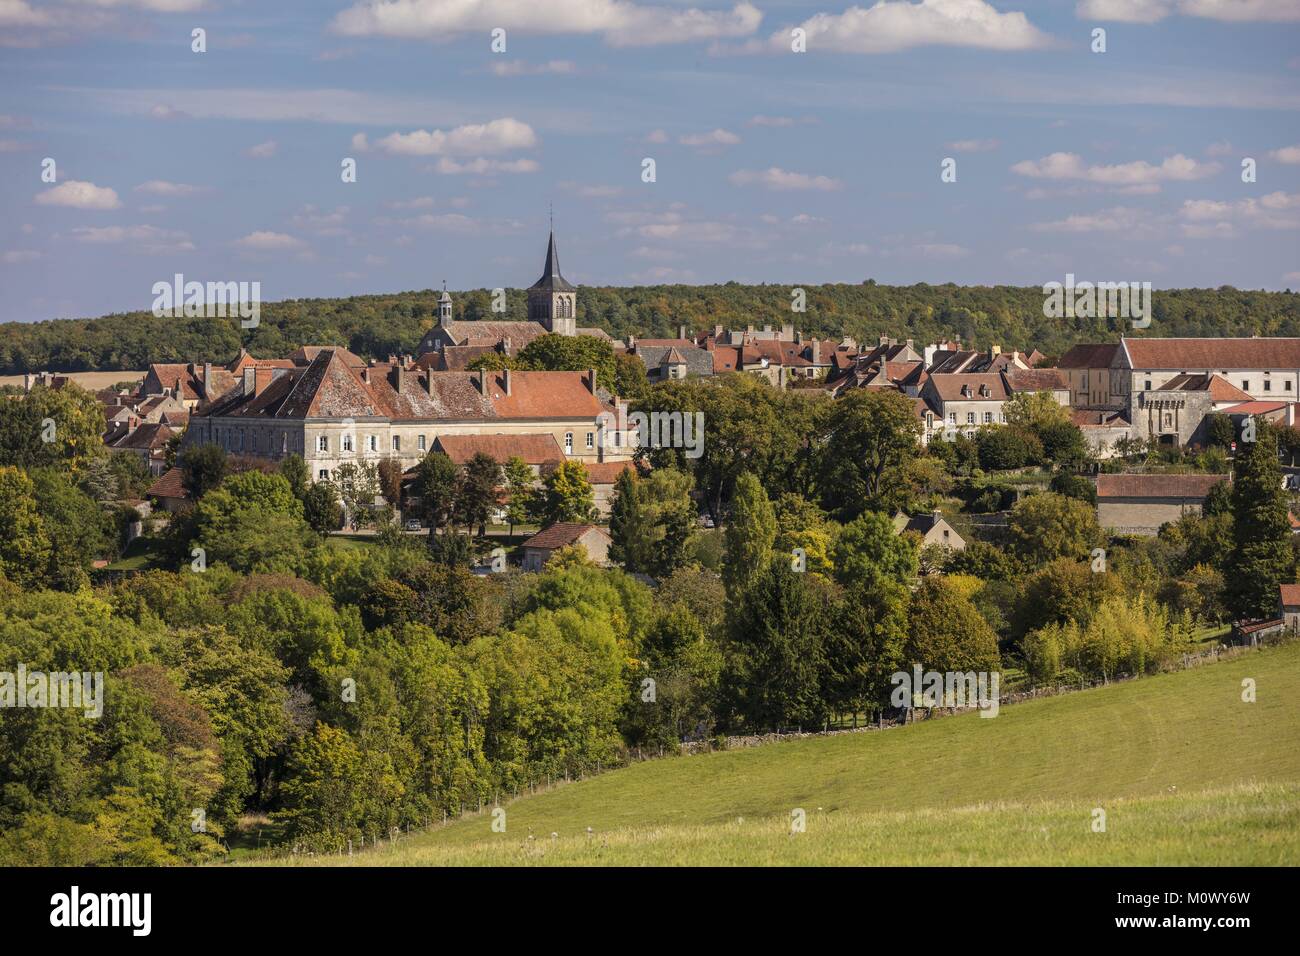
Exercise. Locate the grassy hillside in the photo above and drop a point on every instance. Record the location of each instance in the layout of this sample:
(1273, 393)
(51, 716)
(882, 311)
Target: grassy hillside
(1186, 772)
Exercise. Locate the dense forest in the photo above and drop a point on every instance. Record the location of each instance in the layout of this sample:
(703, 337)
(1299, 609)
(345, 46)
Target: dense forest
(379, 325)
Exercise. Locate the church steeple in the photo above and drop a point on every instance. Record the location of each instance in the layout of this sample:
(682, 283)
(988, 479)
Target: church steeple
(552, 299)
(444, 306)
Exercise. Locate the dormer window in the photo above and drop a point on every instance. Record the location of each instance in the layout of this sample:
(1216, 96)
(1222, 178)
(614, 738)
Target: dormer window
(984, 391)
(965, 391)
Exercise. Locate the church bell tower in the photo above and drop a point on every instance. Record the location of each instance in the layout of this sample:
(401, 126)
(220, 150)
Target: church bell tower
(552, 299)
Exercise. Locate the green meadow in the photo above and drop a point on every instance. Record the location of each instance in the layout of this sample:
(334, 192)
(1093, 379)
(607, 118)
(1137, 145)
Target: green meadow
(1185, 771)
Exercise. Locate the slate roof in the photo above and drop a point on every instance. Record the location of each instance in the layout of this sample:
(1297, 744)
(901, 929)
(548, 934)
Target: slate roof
(551, 279)
(698, 361)
(1089, 356)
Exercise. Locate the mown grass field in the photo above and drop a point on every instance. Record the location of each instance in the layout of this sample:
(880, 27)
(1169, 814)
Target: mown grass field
(1186, 772)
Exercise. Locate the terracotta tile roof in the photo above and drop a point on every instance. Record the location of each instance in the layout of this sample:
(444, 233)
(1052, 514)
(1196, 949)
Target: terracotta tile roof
(1098, 418)
(1220, 389)
(456, 358)
(486, 332)
(308, 353)
(152, 436)
(170, 484)
(534, 449)
(606, 472)
(1214, 353)
(1035, 380)
(329, 388)
(1290, 594)
(1254, 408)
(1089, 356)
(949, 387)
(560, 535)
(1193, 487)
(726, 358)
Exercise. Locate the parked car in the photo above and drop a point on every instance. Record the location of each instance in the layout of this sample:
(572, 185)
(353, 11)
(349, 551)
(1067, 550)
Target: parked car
(706, 521)
(413, 524)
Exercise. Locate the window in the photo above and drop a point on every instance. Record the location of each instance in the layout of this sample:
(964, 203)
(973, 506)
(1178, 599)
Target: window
(373, 443)
(1268, 386)
(323, 443)
(323, 474)
(970, 418)
(952, 417)
(1147, 387)
(419, 443)
(568, 443)
(591, 440)
(618, 439)
(988, 418)
(397, 443)
(347, 441)
(1245, 385)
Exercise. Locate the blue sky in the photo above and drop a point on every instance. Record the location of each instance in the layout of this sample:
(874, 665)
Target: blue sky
(771, 165)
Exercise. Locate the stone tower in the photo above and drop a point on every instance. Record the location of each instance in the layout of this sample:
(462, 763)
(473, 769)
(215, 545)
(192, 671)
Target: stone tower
(552, 300)
(444, 307)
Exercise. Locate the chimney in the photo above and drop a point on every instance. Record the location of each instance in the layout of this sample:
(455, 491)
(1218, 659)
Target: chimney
(816, 351)
(798, 338)
(250, 380)
(681, 331)
(589, 379)
(928, 355)
(207, 375)
(428, 380)
(995, 350)
(365, 375)
(505, 377)
(398, 379)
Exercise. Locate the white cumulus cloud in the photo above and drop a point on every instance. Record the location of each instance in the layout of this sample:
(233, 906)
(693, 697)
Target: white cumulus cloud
(79, 195)
(892, 25)
(1177, 168)
(620, 22)
(498, 136)
(780, 179)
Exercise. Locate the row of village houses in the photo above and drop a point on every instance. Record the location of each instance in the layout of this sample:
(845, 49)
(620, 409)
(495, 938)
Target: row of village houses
(331, 406)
